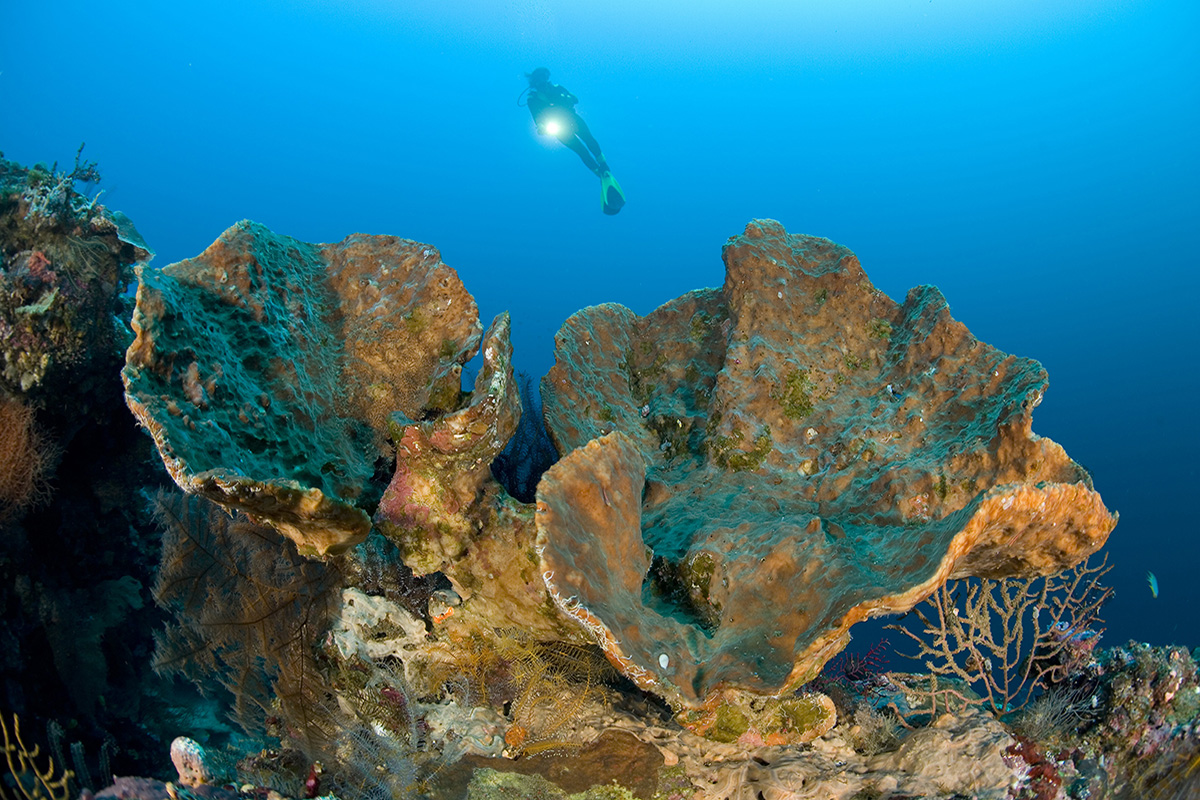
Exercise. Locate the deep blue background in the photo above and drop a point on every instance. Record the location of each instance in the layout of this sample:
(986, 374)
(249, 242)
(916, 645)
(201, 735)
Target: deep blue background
(1040, 162)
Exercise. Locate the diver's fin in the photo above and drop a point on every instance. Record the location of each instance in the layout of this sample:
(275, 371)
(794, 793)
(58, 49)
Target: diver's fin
(612, 199)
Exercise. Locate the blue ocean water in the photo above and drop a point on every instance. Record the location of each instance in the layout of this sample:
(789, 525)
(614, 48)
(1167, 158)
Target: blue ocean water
(1037, 161)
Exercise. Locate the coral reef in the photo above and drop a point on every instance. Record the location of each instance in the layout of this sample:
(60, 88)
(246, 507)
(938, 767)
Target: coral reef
(1143, 716)
(66, 261)
(749, 471)
(77, 547)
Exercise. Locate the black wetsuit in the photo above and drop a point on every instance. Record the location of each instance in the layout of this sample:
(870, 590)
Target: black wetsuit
(549, 101)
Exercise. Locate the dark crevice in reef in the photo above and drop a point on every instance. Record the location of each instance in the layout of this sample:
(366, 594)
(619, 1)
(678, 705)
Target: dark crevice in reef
(529, 453)
(679, 589)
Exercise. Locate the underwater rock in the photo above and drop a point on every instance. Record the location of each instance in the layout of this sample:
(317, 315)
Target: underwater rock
(956, 753)
(266, 370)
(750, 471)
(617, 764)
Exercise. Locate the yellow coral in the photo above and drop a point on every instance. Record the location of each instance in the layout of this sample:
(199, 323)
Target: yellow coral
(32, 783)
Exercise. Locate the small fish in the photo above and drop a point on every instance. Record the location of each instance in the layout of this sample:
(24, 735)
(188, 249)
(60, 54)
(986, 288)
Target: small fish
(1153, 581)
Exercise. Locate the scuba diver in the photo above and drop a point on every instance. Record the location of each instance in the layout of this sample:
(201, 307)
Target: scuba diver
(553, 109)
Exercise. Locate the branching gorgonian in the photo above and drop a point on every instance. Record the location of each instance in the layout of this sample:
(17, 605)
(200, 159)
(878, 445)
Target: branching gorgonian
(1008, 638)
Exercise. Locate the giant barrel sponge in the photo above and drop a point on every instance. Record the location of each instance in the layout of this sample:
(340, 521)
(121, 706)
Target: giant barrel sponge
(749, 471)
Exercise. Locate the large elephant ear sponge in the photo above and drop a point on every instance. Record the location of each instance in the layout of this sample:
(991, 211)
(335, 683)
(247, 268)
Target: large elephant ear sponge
(25, 456)
(266, 370)
(750, 471)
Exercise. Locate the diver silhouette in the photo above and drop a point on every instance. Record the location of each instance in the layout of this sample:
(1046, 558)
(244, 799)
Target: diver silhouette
(553, 109)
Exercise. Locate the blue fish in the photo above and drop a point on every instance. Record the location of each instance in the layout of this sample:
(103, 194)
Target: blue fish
(1153, 581)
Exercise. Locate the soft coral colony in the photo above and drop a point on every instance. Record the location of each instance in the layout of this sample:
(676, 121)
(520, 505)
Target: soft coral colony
(746, 473)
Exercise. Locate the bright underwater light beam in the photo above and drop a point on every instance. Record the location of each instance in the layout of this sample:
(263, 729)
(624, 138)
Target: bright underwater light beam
(553, 128)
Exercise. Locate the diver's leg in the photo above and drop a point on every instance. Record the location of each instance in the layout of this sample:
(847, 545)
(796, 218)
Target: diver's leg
(573, 142)
(584, 133)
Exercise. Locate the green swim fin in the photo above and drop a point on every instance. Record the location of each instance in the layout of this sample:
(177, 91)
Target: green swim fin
(611, 197)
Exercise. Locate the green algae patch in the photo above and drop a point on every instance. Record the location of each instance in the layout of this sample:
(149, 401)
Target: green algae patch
(729, 725)
(726, 452)
(490, 784)
(795, 394)
(801, 715)
(755, 721)
(702, 323)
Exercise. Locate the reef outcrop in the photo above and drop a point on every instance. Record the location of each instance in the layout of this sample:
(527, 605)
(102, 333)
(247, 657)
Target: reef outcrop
(750, 471)
(65, 262)
(267, 370)
(747, 472)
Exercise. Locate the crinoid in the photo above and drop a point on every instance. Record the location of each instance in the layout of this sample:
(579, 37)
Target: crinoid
(546, 688)
(480, 675)
(84, 259)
